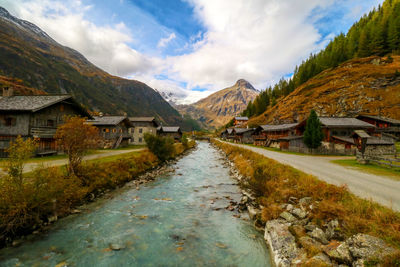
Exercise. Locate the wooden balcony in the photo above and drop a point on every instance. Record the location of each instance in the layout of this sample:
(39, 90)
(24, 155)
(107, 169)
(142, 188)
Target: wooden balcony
(43, 132)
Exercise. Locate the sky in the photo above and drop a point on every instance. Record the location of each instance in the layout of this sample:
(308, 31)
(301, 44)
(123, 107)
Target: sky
(192, 48)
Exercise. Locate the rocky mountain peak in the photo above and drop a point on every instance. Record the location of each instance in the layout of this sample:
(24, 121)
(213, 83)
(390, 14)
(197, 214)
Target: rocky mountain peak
(4, 12)
(242, 83)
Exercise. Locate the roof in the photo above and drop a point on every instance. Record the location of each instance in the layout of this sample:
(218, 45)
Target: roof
(379, 141)
(170, 129)
(280, 127)
(335, 122)
(241, 118)
(107, 120)
(141, 119)
(379, 118)
(34, 103)
(229, 131)
(362, 134)
(242, 130)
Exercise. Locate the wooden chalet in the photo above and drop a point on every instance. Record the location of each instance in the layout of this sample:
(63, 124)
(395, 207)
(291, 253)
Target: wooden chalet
(383, 124)
(170, 131)
(243, 135)
(113, 129)
(237, 121)
(372, 146)
(36, 116)
(142, 125)
(270, 135)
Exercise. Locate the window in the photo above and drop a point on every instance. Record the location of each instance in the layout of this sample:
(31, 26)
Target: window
(50, 123)
(61, 108)
(107, 130)
(132, 139)
(9, 121)
(104, 130)
(140, 140)
(114, 130)
(120, 130)
(140, 130)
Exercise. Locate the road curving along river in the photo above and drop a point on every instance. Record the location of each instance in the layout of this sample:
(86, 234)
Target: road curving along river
(180, 219)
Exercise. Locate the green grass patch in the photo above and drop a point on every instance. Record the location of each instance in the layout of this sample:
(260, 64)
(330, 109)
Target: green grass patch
(114, 157)
(398, 147)
(373, 168)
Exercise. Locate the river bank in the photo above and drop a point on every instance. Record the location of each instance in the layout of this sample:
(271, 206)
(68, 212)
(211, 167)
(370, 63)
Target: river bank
(49, 193)
(307, 222)
(185, 216)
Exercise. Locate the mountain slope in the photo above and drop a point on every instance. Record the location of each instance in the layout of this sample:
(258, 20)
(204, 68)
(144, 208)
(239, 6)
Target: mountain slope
(217, 109)
(368, 85)
(29, 54)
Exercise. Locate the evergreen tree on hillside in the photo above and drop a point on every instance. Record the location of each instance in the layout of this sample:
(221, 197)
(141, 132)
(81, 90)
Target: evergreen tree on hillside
(313, 134)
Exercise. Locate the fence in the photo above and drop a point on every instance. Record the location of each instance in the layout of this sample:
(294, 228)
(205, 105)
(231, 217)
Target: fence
(391, 162)
(323, 151)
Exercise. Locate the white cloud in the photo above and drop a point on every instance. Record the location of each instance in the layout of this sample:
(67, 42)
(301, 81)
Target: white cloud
(164, 41)
(105, 46)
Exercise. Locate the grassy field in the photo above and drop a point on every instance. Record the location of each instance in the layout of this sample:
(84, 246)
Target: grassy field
(114, 157)
(398, 147)
(373, 168)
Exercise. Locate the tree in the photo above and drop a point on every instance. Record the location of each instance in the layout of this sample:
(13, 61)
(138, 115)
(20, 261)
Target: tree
(19, 152)
(76, 137)
(313, 134)
(162, 147)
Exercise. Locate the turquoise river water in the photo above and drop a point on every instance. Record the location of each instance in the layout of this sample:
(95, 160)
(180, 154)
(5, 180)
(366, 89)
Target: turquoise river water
(178, 220)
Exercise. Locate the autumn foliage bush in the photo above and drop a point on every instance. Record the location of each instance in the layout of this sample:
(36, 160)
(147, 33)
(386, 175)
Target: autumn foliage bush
(274, 183)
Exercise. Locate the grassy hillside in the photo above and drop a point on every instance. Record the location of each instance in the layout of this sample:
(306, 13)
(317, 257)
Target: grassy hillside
(369, 85)
(30, 55)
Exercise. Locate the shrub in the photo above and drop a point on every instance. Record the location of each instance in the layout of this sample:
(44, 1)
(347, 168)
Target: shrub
(162, 147)
(313, 133)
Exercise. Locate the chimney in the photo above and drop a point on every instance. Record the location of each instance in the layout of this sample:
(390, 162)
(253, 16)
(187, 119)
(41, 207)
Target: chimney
(7, 91)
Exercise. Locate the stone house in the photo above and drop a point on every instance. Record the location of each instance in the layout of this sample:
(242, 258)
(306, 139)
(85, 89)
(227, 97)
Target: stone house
(36, 116)
(113, 129)
(170, 131)
(142, 125)
(372, 146)
(237, 121)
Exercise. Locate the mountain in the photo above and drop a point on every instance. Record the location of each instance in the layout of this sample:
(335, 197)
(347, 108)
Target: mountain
(29, 55)
(218, 109)
(369, 86)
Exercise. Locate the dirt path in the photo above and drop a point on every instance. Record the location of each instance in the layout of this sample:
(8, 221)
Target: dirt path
(59, 162)
(380, 189)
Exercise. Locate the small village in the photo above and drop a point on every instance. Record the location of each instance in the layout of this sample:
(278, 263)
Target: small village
(39, 116)
(366, 136)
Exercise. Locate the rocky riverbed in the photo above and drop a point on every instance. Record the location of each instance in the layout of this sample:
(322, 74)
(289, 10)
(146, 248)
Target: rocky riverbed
(293, 239)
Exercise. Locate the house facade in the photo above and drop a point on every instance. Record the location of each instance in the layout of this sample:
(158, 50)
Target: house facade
(142, 125)
(269, 135)
(113, 129)
(243, 135)
(383, 124)
(37, 117)
(170, 131)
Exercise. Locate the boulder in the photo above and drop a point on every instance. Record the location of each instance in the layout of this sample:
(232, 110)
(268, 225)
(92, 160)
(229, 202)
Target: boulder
(297, 231)
(289, 207)
(305, 201)
(253, 212)
(281, 242)
(318, 235)
(116, 247)
(310, 227)
(293, 200)
(333, 231)
(339, 252)
(368, 247)
(299, 213)
(287, 216)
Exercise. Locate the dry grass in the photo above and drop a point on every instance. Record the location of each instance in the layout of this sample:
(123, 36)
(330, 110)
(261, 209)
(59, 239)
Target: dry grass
(274, 183)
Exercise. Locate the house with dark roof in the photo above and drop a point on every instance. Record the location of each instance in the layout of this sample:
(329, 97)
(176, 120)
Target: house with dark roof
(36, 116)
(243, 135)
(227, 134)
(113, 129)
(142, 125)
(170, 131)
(237, 121)
(383, 124)
(269, 135)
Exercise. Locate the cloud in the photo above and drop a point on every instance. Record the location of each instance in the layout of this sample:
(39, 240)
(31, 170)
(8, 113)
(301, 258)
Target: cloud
(105, 46)
(164, 41)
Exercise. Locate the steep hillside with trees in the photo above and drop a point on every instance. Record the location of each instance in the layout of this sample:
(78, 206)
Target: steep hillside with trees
(368, 85)
(375, 34)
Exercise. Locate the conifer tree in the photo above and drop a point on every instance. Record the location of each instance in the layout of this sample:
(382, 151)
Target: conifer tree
(313, 134)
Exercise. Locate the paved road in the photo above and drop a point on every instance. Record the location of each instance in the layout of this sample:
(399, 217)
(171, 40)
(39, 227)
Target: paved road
(59, 162)
(380, 189)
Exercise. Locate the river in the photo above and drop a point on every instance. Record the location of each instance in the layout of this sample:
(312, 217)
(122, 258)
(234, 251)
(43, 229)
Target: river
(178, 220)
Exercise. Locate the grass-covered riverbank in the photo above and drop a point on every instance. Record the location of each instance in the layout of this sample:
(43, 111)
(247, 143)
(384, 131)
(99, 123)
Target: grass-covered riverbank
(49, 193)
(274, 183)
